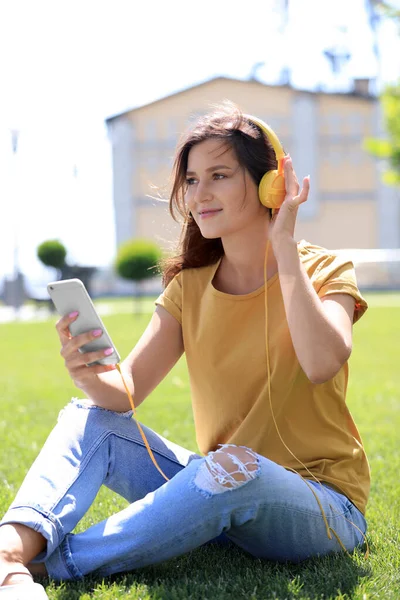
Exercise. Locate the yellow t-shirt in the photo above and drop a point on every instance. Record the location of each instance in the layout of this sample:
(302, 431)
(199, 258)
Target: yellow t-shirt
(224, 341)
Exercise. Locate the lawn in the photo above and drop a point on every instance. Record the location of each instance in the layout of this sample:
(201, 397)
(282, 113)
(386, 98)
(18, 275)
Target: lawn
(34, 386)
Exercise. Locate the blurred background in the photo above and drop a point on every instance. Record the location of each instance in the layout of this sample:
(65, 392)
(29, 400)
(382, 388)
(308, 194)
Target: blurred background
(96, 94)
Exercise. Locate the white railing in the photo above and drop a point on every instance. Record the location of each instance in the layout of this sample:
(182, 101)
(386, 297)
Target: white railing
(376, 268)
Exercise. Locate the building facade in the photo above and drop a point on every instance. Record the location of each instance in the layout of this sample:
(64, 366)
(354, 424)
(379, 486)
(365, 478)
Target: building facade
(348, 206)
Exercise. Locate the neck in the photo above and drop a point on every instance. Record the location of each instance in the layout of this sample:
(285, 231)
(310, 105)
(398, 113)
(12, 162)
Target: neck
(244, 253)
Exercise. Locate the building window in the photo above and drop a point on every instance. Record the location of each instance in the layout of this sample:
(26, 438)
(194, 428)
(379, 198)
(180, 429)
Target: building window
(355, 123)
(151, 130)
(173, 132)
(334, 124)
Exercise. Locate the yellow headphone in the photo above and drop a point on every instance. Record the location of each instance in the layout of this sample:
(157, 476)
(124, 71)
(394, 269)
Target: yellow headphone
(271, 189)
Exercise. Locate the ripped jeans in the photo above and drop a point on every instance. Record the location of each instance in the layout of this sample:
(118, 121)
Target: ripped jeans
(230, 495)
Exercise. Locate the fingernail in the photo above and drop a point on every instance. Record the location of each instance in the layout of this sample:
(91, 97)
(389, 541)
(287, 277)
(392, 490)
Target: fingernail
(73, 314)
(97, 332)
(108, 351)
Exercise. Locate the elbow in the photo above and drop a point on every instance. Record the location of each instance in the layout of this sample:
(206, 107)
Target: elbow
(319, 377)
(323, 373)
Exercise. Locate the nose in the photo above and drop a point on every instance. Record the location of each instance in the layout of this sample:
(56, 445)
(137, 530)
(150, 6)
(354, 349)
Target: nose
(201, 193)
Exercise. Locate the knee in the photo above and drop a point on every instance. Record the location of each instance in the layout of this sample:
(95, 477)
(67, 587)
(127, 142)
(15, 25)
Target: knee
(83, 409)
(227, 468)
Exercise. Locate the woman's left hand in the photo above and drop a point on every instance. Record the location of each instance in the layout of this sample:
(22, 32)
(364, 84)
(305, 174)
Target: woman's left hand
(283, 221)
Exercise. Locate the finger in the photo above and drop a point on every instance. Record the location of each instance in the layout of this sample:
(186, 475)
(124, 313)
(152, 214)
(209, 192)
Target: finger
(97, 369)
(291, 183)
(62, 326)
(302, 197)
(85, 358)
(83, 372)
(74, 343)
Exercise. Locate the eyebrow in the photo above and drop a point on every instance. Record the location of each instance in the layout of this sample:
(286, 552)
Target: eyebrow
(213, 168)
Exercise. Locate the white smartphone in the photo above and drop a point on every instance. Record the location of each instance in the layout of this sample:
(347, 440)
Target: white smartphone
(69, 295)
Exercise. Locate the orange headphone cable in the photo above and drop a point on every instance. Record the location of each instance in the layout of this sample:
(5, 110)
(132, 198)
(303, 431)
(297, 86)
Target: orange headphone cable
(138, 424)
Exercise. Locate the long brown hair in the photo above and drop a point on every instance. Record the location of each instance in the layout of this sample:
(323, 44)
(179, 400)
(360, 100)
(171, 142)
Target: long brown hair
(253, 152)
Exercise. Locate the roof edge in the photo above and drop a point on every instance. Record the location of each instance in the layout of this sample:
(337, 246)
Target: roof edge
(352, 93)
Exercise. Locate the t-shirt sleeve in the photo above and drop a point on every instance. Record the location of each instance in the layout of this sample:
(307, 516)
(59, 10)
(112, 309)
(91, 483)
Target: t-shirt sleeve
(171, 298)
(336, 275)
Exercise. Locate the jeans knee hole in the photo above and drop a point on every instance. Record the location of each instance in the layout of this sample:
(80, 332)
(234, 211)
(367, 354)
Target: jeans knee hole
(212, 477)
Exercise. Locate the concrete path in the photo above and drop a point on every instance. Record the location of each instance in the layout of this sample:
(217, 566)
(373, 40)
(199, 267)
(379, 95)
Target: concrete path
(29, 312)
(126, 305)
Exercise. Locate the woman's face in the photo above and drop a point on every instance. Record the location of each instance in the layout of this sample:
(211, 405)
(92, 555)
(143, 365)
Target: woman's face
(221, 195)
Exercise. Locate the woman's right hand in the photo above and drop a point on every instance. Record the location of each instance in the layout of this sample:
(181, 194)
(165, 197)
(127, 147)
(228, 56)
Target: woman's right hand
(75, 361)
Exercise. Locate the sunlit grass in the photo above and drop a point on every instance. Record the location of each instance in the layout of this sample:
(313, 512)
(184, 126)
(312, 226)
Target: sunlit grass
(34, 386)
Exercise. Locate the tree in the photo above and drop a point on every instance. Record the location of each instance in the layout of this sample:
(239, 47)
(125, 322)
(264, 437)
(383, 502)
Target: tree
(389, 10)
(389, 148)
(138, 260)
(52, 253)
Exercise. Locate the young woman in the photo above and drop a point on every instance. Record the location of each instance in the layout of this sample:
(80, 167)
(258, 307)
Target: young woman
(283, 473)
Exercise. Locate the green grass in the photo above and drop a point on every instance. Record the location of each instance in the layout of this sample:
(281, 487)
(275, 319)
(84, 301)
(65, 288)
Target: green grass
(34, 386)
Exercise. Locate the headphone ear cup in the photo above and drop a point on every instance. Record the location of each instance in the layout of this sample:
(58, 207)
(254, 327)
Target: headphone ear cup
(271, 189)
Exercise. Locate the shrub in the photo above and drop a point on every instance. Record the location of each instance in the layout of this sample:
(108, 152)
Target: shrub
(52, 253)
(138, 260)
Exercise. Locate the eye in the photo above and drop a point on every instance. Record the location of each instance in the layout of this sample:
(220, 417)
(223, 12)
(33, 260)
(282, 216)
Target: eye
(190, 180)
(218, 176)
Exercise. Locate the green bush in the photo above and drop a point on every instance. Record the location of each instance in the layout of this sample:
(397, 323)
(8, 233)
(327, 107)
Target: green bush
(138, 260)
(52, 253)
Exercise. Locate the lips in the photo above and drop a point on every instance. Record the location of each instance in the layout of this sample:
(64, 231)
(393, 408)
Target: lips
(213, 210)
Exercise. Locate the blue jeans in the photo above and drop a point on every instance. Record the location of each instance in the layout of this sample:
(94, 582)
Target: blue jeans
(271, 513)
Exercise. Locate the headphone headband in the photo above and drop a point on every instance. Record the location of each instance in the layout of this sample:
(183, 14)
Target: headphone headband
(271, 135)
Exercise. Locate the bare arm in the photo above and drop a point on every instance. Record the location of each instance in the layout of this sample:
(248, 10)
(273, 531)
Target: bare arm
(321, 329)
(157, 351)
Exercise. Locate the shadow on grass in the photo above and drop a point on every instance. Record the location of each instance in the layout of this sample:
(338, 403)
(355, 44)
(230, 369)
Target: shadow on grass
(222, 573)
